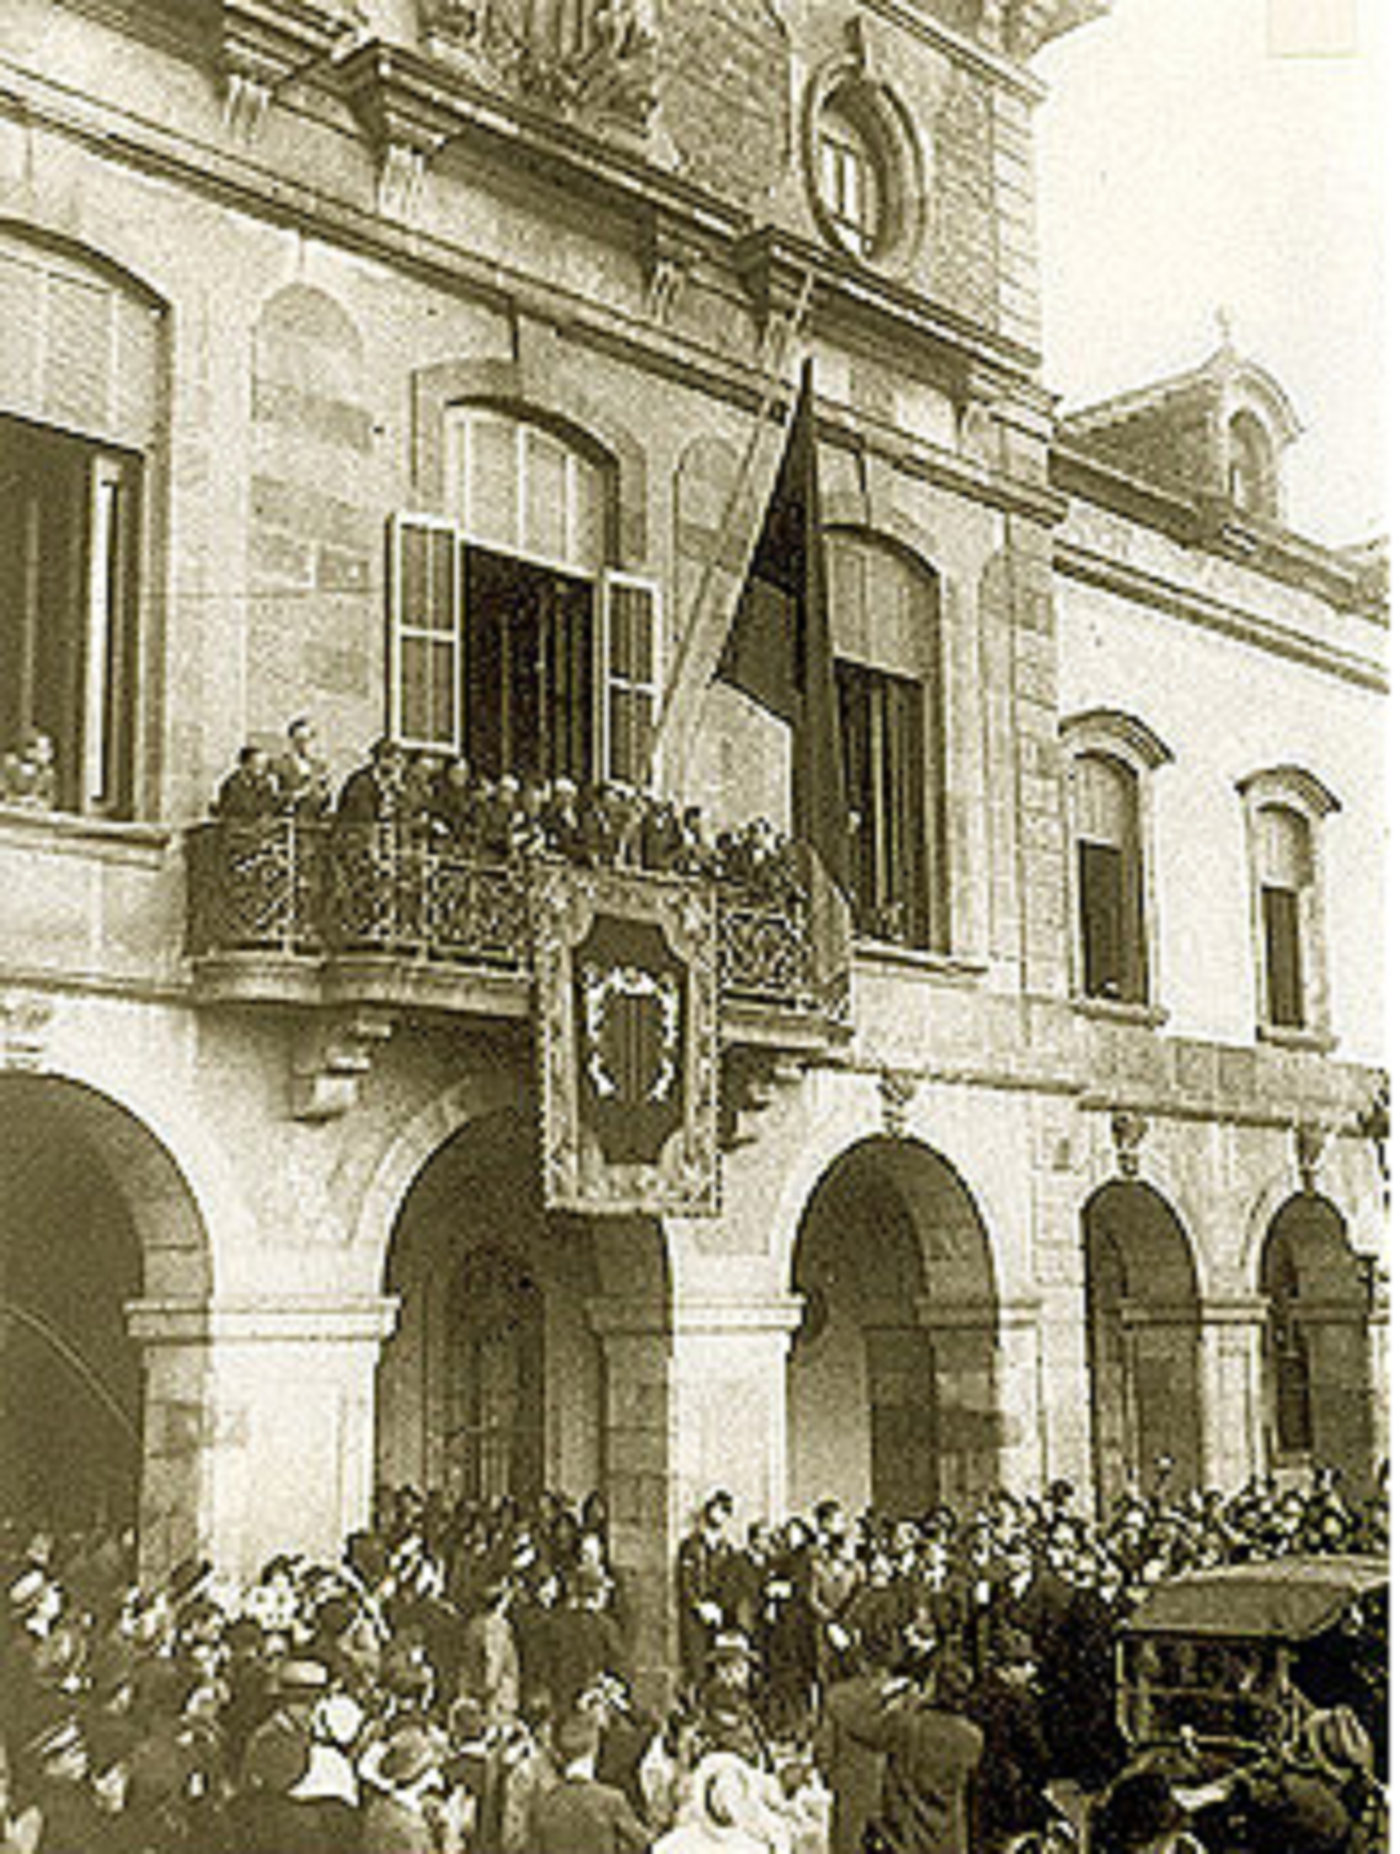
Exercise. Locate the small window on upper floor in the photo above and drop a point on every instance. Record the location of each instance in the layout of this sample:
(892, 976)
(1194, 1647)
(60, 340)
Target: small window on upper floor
(1284, 813)
(1253, 467)
(849, 178)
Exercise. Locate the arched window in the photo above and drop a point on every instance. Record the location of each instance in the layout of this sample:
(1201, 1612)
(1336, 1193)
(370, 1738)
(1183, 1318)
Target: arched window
(885, 633)
(1253, 474)
(1289, 1375)
(1108, 871)
(513, 641)
(1112, 757)
(80, 399)
(1284, 813)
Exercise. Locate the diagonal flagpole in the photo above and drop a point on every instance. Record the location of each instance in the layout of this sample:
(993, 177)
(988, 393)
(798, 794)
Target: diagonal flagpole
(777, 384)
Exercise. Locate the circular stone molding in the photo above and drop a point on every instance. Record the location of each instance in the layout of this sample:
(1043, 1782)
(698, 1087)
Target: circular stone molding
(868, 114)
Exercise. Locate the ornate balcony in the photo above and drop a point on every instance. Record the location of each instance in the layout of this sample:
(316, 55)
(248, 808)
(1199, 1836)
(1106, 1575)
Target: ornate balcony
(285, 911)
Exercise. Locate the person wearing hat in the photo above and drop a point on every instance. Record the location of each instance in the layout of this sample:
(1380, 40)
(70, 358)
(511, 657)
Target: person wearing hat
(727, 1719)
(404, 1806)
(1008, 1795)
(577, 1814)
(57, 1760)
(298, 1687)
(583, 1639)
(932, 1751)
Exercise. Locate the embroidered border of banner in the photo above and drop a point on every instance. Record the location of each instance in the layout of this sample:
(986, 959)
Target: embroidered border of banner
(607, 1031)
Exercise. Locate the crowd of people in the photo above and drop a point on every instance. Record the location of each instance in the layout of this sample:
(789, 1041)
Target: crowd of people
(462, 1679)
(440, 800)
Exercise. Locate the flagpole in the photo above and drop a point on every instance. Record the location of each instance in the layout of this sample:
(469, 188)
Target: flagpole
(777, 385)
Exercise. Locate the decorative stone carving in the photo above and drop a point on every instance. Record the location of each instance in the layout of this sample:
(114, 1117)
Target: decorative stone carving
(591, 59)
(331, 1058)
(24, 1029)
(1309, 1145)
(1027, 25)
(267, 43)
(1129, 1131)
(897, 1092)
(1373, 1123)
(406, 129)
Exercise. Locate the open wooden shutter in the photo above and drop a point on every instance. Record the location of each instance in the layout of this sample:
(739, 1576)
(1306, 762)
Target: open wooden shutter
(425, 632)
(631, 671)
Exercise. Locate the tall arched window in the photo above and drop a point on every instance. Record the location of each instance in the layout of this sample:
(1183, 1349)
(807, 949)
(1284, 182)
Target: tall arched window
(513, 640)
(885, 633)
(1108, 869)
(1284, 810)
(1112, 759)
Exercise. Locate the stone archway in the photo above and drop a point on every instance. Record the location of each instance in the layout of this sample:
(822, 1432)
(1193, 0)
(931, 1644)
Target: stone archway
(533, 1350)
(892, 1381)
(95, 1215)
(1316, 1366)
(1143, 1317)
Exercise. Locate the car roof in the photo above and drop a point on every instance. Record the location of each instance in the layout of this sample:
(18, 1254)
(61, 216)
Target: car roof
(1287, 1599)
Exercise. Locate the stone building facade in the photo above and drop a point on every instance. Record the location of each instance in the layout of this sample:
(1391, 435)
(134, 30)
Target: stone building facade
(306, 308)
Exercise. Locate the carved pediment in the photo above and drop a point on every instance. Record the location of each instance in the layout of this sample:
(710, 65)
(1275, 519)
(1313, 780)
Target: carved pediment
(593, 60)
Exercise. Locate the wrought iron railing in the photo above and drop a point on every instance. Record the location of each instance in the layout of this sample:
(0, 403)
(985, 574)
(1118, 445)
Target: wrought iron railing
(279, 885)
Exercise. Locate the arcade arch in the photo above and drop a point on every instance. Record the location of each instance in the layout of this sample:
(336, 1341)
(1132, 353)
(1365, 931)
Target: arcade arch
(891, 1379)
(495, 1382)
(1143, 1315)
(94, 1214)
(1316, 1367)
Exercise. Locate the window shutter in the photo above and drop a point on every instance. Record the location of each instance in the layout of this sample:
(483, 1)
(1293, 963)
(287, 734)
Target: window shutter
(631, 676)
(425, 647)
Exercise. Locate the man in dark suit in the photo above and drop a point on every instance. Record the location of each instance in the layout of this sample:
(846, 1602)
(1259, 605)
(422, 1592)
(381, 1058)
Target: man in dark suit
(373, 794)
(932, 1751)
(579, 1815)
(702, 1567)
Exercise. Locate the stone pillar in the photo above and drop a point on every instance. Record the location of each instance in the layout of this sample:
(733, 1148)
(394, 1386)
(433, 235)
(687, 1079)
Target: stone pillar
(259, 1426)
(1233, 1418)
(1378, 1337)
(731, 1402)
(638, 1478)
(1020, 1398)
(986, 1395)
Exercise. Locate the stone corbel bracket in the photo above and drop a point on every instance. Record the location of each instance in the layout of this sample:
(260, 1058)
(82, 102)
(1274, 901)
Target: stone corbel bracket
(264, 44)
(330, 1058)
(670, 253)
(405, 123)
(1310, 1143)
(1129, 1130)
(898, 1091)
(752, 1080)
(25, 1017)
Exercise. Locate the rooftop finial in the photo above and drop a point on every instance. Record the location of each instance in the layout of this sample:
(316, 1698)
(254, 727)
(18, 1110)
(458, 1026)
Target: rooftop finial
(1225, 322)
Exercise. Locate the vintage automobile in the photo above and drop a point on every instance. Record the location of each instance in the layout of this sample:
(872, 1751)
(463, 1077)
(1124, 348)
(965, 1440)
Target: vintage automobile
(1219, 1670)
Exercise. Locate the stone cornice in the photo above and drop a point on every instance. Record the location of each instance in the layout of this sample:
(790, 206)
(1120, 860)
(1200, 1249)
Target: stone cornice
(1213, 614)
(264, 1320)
(1209, 524)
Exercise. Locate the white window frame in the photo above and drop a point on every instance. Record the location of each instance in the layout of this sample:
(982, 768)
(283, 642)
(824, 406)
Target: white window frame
(399, 525)
(1306, 798)
(607, 680)
(1110, 734)
(575, 561)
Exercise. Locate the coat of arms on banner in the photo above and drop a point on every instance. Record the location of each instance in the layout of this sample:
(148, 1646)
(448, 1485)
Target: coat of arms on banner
(629, 1042)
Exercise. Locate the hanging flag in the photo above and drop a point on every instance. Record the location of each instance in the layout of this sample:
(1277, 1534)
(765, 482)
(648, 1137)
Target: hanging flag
(779, 646)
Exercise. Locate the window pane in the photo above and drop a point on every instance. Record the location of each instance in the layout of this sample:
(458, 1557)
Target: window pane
(1105, 801)
(631, 633)
(492, 484)
(1283, 958)
(546, 493)
(1284, 849)
(1102, 926)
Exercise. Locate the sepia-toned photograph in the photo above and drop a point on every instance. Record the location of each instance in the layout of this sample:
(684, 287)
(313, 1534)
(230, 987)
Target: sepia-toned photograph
(694, 1136)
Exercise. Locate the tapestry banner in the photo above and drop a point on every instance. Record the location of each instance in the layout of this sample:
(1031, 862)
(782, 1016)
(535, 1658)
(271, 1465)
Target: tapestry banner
(626, 966)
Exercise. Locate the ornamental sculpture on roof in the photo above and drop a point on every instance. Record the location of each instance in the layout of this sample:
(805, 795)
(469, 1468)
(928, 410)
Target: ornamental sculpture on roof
(594, 59)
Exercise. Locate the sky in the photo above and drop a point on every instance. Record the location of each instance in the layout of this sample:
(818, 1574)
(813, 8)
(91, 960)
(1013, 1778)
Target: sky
(1199, 156)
